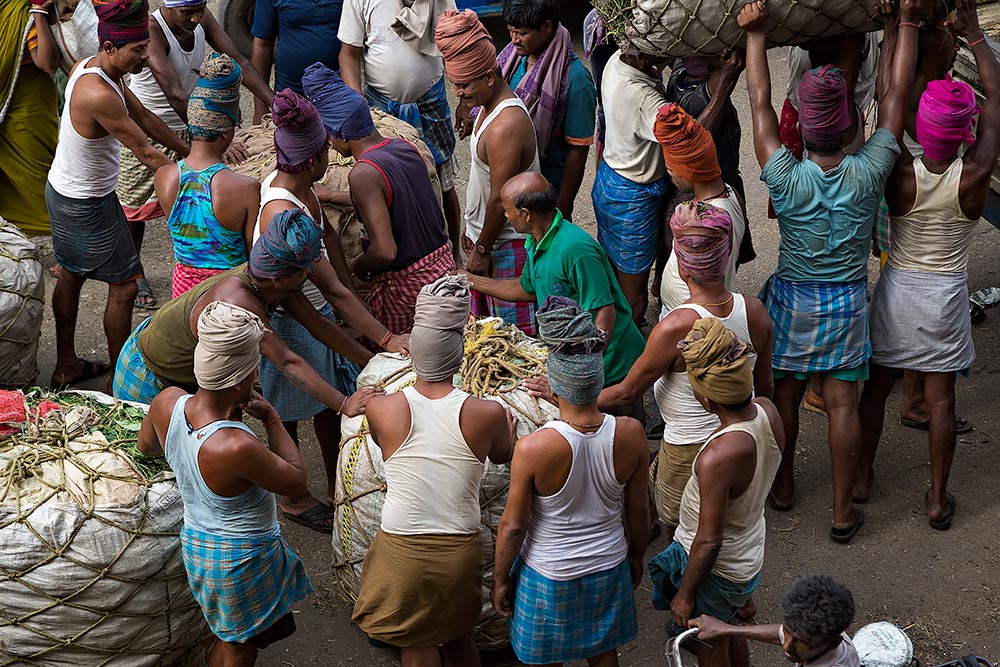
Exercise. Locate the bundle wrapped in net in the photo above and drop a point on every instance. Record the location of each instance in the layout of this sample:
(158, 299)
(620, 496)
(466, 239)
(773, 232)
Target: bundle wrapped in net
(679, 28)
(259, 140)
(497, 357)
(22, 302)
(90, 562)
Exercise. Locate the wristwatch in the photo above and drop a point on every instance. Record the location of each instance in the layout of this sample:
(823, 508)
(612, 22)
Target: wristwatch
(481, 249)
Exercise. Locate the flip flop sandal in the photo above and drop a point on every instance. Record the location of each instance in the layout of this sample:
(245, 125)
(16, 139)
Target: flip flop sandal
(962, 425)
(845, 535)
(91, 370)
(145, 292)
(777, 505)
(315, 518)
(945, 522)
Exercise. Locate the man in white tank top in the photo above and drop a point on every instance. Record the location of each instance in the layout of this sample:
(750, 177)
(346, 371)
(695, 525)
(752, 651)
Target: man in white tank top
(177, 38)
(89, 232)
(571, 541)
(713, 565)
(702, 249)
(422, 580)
(503, 145)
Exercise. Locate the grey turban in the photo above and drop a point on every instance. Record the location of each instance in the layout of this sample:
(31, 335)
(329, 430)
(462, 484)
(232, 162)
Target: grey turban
(442, 311)
(228, 347)
(576, 361)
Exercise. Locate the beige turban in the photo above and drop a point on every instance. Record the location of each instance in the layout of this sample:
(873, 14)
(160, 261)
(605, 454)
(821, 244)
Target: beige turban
(718, 364)
(228, 347)
(442, 310)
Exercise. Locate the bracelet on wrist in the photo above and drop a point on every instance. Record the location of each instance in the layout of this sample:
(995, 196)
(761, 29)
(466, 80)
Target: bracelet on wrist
(909, 24)
(271, 422)
(385, 339)
(982, 38)
(34, 10)
(340, 411)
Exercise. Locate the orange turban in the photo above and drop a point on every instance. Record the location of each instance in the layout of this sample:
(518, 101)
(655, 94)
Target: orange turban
(467, 47)
(688, 148)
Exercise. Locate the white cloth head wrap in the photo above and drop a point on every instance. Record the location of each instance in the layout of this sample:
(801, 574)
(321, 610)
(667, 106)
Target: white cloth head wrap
(228, 347)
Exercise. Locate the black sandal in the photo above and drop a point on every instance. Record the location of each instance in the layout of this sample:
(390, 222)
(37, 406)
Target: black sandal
(945, 522)
(845, 535)
(315, 518)
(91, 370)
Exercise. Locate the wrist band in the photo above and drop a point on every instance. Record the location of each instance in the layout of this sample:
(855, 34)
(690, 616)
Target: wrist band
(385, 339)
(979, 41)
(907, 24)
(341, 410)
(38, 11)
(277, 418)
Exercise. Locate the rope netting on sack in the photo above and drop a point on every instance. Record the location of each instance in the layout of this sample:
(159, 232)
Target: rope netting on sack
(679, 28)
(90, 567)
(22, 302)
(497, 358)
(259, 140)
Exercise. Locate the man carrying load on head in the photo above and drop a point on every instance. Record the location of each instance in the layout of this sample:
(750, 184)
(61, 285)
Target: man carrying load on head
(160, 352)
(177, 40)
(422, 579)
(404, 238)
(210, 209)
(502, 144)
(90, 236)
(826, 207)
(383, 34)
(243, 574)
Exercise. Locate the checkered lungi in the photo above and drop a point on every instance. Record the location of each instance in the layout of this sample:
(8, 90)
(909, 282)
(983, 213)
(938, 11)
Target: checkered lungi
(819, 326)
(393, 295)
(560, 621)
(430, 116)
(629, 216)
(243, 585)
(185, 277)
(133, 379)
(506, 263)
(135, 183)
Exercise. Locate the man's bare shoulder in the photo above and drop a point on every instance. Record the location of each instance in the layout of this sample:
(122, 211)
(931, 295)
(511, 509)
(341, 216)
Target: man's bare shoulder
(543, 443)
(238, 183)
(757, 315)
(512, 119)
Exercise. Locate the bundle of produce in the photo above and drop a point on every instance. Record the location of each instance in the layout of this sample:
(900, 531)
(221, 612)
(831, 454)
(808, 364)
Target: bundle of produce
(22, 301)
(679, 28)
(259, 140)
(497, 358)
(90, 563)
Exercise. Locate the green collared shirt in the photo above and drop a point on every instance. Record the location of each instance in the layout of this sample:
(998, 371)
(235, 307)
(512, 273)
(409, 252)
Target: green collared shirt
(569, 262)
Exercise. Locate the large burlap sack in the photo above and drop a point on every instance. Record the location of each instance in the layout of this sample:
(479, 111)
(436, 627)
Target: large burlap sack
(90, 564)
(680, 28)
(262, 161)
(360, 489)
(22, 301)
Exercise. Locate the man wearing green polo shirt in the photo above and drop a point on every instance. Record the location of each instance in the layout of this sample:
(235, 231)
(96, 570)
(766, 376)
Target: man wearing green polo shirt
(564, 260)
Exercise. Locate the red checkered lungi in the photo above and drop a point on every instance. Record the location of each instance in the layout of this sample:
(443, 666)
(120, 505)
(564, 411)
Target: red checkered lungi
(394, 293)
(507, 262)
(185, 277)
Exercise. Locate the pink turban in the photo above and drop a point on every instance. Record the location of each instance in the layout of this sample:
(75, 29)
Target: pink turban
(467, 47)
(823, 111)
(701, 240)
(944, 117)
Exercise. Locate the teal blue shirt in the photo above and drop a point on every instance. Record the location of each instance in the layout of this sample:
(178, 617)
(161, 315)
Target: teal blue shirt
(826, 217)
(578, 121)
(569, 262)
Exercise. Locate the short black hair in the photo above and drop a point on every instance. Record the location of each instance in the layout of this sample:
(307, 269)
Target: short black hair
(830, 148)
(733, 407)
(531, 14)
(535, 201)
(816, 607)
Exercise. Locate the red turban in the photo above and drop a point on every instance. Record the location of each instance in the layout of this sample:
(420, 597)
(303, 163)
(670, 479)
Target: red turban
(688, 148)
(823, 111)
(701, 240)
(467, 47)
(122, 21)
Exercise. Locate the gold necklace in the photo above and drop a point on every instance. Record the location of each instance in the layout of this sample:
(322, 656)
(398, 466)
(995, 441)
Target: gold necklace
(716, 305)
(586, 427)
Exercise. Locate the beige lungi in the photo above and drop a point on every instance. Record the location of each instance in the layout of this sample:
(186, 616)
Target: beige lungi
(668, 476)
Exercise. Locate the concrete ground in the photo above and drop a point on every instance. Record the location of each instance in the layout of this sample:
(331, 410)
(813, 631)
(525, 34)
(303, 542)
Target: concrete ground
(942, 588)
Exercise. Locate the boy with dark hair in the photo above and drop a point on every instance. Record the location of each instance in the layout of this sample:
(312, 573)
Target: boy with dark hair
(816, 612)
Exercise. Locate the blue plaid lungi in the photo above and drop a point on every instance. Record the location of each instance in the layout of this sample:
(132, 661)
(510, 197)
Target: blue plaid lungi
(560, 621)
(717, 597)
(430, 116)
(819, 327)
(243, 585)
(292, 403)
(133, 379)
(629, 218)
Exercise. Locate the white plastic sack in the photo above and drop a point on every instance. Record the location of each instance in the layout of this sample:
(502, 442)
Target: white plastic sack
(22, 301)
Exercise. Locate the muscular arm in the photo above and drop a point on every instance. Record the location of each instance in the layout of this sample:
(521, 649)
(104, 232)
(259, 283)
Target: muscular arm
(350, 65)
(630, 433)
(105, 107)
(220, 41)
(153, 127)
(165, 182)
(514, 523)
(604, 319)
(984, 152)
(722, 85)
(761, 336)
(508, 290)
(505, 141)
(45, 56)
(163, 71)
(262, 59)
(656, 359)
(892, 107)
(153, 431)
(299, 373)
(710, 628)
(325, 331)
(370, 196)
(576, 165)
(766, 139)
